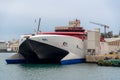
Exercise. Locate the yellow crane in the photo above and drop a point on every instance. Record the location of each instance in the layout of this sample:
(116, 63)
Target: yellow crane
(103, 25)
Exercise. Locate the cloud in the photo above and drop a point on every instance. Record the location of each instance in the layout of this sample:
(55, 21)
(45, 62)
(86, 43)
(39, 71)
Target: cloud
(18, 15)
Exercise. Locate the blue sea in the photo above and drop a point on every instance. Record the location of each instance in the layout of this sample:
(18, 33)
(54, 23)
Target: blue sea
(83, 71)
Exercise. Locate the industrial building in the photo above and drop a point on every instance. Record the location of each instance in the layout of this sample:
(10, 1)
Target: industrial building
(3, 46)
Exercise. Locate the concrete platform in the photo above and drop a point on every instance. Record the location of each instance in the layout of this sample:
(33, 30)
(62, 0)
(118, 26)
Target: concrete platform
(96, 58)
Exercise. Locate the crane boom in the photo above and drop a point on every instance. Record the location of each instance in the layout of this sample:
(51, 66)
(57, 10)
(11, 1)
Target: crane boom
(105, 26)
(100, 24)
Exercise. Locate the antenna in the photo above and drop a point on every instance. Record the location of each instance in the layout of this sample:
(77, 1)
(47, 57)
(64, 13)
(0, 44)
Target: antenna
(39, 26)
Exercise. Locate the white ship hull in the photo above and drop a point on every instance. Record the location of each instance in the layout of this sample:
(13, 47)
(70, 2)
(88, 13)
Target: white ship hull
(52, 48)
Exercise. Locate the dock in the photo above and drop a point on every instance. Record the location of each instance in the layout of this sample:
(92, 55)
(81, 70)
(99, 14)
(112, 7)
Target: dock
(96, 58)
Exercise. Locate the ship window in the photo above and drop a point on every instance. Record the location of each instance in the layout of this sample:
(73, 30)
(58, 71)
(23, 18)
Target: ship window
(44, 39)
(65, 44)
(78, 47)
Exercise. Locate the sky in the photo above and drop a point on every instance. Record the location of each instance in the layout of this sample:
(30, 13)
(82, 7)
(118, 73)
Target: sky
(18, 17)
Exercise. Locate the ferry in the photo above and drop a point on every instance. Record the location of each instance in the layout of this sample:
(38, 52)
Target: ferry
(64, 46)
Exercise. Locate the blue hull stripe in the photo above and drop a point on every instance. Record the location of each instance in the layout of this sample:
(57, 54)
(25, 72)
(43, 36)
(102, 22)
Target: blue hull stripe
(15, 61)
(73, 61)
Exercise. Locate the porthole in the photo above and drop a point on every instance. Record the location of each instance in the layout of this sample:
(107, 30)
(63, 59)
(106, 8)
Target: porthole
(65, 43)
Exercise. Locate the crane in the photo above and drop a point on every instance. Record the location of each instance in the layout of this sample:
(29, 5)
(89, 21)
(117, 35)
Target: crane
(105, 26)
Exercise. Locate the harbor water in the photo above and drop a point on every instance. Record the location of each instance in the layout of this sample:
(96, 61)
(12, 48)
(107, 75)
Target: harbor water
(84, 71)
